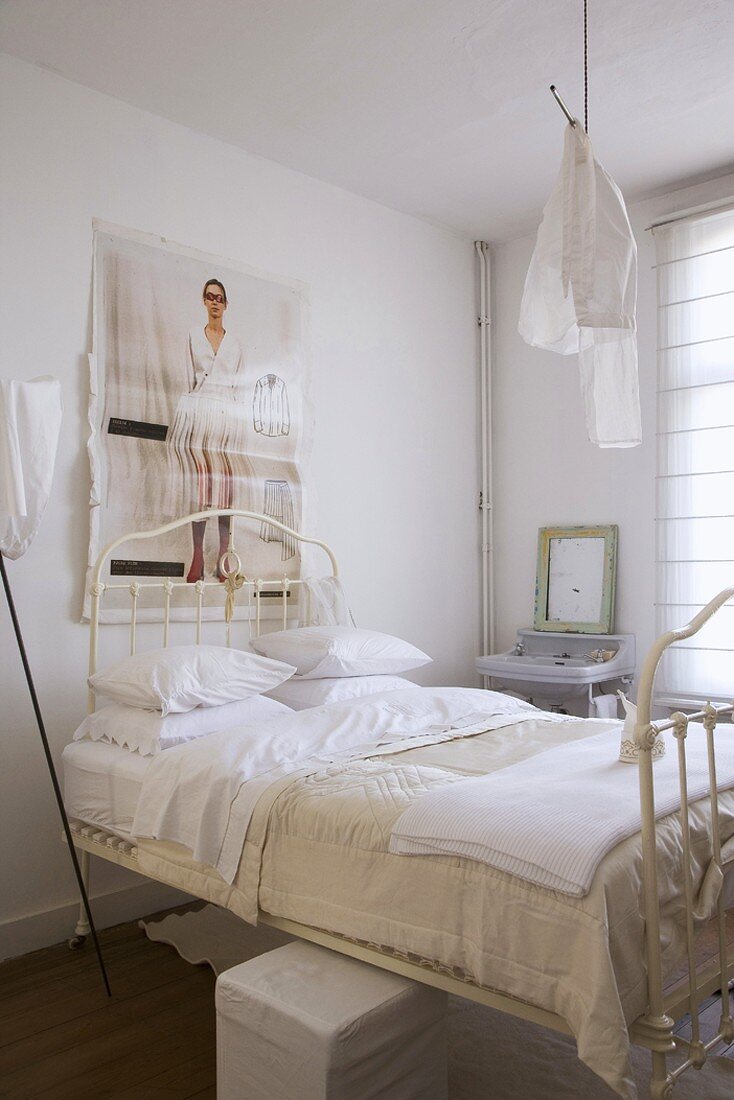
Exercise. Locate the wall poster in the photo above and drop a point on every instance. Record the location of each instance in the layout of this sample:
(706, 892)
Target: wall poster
(199, 399)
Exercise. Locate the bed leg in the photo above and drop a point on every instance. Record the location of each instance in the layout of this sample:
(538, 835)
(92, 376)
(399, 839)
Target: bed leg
(661, 1085)
(82, 929)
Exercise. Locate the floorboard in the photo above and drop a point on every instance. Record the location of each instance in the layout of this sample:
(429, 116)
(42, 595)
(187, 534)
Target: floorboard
(62, 1038)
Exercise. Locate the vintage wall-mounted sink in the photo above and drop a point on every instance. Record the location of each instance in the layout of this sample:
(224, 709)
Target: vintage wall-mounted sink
(550, 667)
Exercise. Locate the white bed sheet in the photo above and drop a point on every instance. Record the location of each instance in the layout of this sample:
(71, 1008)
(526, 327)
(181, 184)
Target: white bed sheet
(102, 784)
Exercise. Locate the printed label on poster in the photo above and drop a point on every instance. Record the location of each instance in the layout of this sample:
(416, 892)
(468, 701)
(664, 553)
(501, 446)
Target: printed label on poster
(138, 428)
(124, 567)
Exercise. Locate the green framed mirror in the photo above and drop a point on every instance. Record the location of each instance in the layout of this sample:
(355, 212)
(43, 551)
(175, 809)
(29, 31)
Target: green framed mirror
(576, 579)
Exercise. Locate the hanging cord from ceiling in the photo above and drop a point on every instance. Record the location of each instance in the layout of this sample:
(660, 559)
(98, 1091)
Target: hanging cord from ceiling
(556, 94)
(586, 66)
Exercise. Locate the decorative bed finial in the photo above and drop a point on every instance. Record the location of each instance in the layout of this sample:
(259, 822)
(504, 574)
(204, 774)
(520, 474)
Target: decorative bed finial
(629, 751)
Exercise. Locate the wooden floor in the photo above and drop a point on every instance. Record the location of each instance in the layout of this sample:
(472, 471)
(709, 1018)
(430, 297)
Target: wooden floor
(62, 1038)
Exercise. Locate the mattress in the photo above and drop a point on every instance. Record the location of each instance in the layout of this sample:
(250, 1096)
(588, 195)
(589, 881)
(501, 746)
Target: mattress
(102, 784)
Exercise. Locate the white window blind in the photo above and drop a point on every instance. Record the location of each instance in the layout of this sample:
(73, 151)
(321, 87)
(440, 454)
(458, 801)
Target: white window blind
(695, 461)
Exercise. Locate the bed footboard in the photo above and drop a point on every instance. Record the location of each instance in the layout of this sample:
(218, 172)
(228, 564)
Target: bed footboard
(655, 1028)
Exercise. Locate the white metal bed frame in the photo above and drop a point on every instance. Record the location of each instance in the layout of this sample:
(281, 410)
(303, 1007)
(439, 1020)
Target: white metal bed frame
(655, 1029)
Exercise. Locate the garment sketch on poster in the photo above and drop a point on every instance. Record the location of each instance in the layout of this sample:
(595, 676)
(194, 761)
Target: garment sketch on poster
(270, 409)
(207, 439)
(278, 503)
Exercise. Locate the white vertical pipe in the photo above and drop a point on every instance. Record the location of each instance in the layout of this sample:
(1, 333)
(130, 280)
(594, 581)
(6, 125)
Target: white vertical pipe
(489, 498)
(485, 375)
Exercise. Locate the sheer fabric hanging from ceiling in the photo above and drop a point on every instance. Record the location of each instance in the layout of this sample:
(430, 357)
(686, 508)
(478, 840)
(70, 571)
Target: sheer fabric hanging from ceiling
(695, 464)
(581, 291)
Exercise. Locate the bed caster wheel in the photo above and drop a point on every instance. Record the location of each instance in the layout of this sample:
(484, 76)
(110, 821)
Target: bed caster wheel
(76, 943)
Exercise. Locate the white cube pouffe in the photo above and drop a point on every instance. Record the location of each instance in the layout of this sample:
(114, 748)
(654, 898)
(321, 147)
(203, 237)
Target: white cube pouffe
(305, 1023)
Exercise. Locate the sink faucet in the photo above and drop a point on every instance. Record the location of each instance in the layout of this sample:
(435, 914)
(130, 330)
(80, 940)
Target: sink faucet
(597, 656)
(519, 650)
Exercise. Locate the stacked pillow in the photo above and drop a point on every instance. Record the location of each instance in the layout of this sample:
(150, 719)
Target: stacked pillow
(166, 697)
(336, 663)
(298, 694)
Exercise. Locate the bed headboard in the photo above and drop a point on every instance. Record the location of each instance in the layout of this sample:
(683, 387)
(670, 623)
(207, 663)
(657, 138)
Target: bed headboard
(230, 563)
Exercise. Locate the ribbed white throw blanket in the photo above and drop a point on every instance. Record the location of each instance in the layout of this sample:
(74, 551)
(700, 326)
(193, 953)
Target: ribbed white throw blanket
(551, 819)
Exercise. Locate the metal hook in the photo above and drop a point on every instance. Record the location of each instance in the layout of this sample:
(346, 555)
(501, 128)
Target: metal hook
(559, 100)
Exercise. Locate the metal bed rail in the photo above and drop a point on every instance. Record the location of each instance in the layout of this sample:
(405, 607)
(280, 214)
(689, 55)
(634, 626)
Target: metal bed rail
(230, 564)
(655, 1028)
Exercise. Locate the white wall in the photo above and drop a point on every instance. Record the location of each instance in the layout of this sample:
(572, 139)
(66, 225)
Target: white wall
(546, 470)
(394, 368)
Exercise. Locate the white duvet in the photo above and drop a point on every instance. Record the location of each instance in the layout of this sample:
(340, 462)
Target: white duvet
(202, 795)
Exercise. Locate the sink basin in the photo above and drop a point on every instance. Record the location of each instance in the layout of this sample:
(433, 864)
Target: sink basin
(555, 666)
(537, 660)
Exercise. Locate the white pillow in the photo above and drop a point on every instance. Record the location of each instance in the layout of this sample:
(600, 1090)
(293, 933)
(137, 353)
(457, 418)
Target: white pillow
(147, 732)
(299, 693)
(320, 651)
(182, 677)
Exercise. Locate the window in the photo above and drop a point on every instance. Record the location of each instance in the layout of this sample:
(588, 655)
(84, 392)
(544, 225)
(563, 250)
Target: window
(695, 461)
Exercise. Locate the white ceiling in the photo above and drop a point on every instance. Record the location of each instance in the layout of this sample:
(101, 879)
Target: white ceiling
(439, 108)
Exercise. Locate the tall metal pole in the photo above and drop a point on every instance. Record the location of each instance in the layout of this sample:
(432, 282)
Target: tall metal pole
(52, 769)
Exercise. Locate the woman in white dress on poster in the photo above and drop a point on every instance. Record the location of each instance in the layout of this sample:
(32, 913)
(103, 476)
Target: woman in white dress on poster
(207, 437)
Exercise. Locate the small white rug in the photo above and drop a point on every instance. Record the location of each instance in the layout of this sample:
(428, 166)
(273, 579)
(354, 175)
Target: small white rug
(492, 1056)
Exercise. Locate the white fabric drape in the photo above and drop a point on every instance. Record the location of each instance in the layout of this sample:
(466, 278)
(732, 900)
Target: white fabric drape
(581, 290)
(324, 603)
(695, 483)
(30, 419)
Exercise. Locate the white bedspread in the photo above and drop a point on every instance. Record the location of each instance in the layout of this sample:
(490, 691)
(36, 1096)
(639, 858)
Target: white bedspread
(317, 852)
(551, 819)
(202, 795)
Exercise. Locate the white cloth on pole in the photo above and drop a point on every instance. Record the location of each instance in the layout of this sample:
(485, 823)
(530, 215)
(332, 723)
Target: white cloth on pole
(581, 291)
(30, 420)
(324, 603)
(605, 706)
